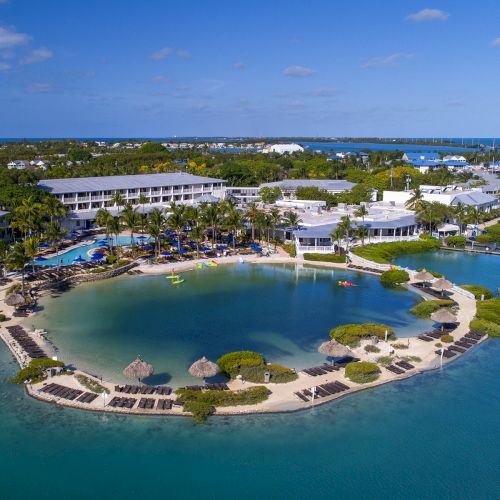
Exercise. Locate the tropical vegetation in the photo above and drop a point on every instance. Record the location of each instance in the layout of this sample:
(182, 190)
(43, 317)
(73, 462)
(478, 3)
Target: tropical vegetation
(362, 372)
(351, 334)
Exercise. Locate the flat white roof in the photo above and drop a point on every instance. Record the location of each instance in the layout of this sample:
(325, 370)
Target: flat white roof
(112, 182)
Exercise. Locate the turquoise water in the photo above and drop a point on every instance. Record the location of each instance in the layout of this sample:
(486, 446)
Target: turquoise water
(66, 258)
(434, 436)
(460, 267)
(283, 312)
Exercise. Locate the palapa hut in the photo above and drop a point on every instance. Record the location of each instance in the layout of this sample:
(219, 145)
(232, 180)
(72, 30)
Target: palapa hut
(334, 349)
(203, 368)
(424, 276)
(138, 369)
(15, 300)
(442, 284)
(443, 316)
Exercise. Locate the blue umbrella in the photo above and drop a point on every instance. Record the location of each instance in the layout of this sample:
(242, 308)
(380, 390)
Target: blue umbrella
(102, 242)
(257, 249)
(73, 234)
(220, 247)
(98, 256)
(79, 259)
(205, 249)
(40, 259)
(43, 245)
(148, 247)
(182, 250)
(141, 237)
(166, 253)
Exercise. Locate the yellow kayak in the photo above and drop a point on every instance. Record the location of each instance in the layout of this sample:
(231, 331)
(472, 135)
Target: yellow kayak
(172, 277)
(177, 282)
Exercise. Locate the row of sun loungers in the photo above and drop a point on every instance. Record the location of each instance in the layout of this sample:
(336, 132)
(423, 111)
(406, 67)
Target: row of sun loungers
(321, 370)
(62, 392)
(322, 391)
(144, 403)
(87, 397)
(368, 269)
(437, 334)
(207, 387)
(117, 402)
(400, 367)
(469, 340)
(425, 287)
(134, 271)
(32, 349)
(143, 389)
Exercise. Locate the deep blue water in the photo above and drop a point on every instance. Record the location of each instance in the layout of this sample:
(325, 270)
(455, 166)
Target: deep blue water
(460, 267)
(433, 436)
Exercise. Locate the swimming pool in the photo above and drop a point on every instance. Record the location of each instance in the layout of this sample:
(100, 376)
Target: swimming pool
(67, 258)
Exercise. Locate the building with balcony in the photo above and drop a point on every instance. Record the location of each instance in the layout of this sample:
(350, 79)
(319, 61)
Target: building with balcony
(86, 195)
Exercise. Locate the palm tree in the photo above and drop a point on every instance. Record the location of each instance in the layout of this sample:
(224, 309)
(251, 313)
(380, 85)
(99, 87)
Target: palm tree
(17, 260)
(4, 251)
(459, 214)
(31, 249)
(345, 226)
(102, 220)
(130, 219)
(212, 215)
(197, 233)
(142, 200)
(113, 227)
(361, 212)
(252, 215)
(361, 233)
(27, 216)
(292, 220)
(275, 219)
(118, 200)
(54, 208)
(415, 201)
(177, 220)
(235, 222)
(54, 233)
(155, 227)
(336, 236)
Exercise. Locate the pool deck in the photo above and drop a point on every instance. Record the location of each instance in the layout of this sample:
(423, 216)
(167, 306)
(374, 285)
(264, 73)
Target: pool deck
(282, 397)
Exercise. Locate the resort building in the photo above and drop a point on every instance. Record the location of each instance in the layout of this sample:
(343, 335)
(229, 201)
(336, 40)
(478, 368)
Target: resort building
(18, 164)
(243, 195)
(283, 148)
(384, 222)
(85, 196)
(289, 187)
(427, 161)
(447, 195)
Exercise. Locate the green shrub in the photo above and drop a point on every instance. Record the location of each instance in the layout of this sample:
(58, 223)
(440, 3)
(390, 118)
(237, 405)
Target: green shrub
(447, 339)
(34, 370)
(489, 310)
(424, 309)
(290, 249)
(329, 257)
(351, 334)
(231, 362)
(91, 384)
(478, 291)
(385, 360)
(371, 348)
(200, 403)
(412, 358)
(384, 253)
(456, 241)
(45, 363)
(111, 259)
(488, 238)
(394, 277)
(425, 236)
(2, 317)
(438, 344)
(399, 346)
(486, 327)
(362, 372)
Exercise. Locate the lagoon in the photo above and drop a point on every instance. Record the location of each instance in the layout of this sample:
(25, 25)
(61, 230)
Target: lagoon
(283, 312)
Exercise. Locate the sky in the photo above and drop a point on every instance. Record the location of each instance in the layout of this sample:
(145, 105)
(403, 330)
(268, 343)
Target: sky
(327, 68)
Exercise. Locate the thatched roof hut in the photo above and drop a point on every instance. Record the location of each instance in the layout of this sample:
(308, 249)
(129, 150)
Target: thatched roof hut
(138, 369)
(203, 368)
(443, 316)
(15, 300)
(424, 276)
(334, 349)
(442, 284)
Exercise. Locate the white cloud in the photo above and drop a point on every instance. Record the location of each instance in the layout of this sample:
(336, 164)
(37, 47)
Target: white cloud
(183, 53)
(323, 92)
(237, 65)
(37, 55)
(298, 71)
(39, 88)
(496, 42)
(4, 67)
(162, 53)
(390, 60)
(425, 15)
(9, 37)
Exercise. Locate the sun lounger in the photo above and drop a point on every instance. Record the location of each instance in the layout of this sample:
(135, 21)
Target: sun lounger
(395, 369)
(302, 397)
(455, 348)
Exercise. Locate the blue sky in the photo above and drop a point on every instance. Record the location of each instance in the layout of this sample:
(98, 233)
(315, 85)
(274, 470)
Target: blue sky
(313, 68)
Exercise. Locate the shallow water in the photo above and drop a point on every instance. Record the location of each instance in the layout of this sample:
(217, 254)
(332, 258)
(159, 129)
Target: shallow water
(283, 312)
(432, 436)
(460, 267)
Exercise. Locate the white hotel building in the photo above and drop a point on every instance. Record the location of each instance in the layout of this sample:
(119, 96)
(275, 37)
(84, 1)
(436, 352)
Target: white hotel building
(84, 196)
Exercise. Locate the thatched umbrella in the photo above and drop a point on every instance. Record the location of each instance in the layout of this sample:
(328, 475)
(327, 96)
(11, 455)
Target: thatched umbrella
(334, 349)
(442, 284)
(138, 369)
(443, 316)
(424, 276)
(203, 368)
(15, 300)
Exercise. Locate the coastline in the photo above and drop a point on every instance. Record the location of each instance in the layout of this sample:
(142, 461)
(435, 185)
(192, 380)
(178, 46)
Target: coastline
(282, 398)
